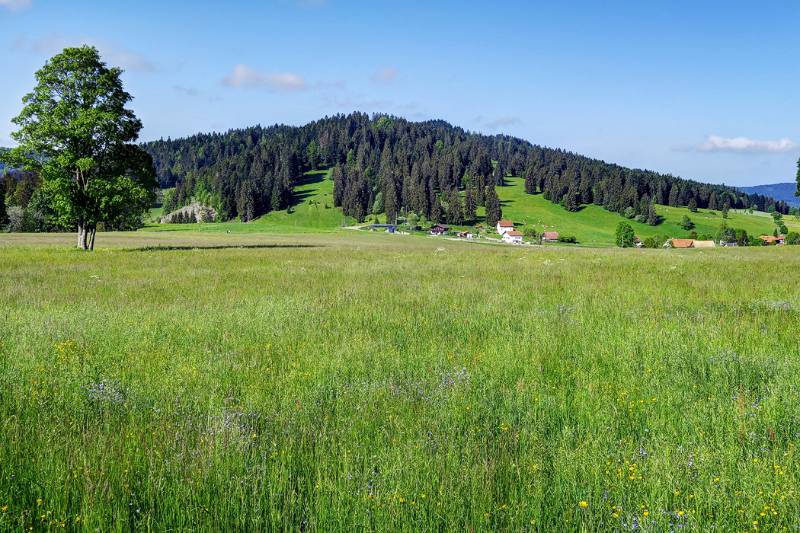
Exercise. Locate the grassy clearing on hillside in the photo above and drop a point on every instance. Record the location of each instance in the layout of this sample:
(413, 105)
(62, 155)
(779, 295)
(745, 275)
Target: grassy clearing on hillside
(312, 210)
(595, 226)
(363, 381)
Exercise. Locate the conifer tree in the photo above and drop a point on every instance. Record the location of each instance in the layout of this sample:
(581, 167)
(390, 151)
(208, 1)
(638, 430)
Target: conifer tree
(437, 212)
(493, 209)
(470, 205)
(455, 212)
(652, 216)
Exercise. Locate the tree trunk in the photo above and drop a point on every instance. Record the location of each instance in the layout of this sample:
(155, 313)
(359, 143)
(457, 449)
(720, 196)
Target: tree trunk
(81, 236)
(91, 238)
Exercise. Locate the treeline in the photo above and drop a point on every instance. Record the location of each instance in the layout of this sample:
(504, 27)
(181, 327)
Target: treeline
(26, 206)
(384, 164)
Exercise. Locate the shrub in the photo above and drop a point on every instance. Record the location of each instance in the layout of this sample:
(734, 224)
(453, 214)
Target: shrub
(742, 239)
(625, 235)
(686, 223)
(650, 242)
(568, 239)
(793, 238)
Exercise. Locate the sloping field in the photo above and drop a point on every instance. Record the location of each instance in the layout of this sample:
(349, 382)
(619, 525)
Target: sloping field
(595, 226)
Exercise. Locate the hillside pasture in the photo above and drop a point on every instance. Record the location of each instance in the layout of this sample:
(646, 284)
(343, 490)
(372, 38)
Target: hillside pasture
(595, 226)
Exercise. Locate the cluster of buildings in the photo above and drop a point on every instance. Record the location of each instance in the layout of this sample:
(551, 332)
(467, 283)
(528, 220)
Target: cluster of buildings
(768, 240)
(505, 228)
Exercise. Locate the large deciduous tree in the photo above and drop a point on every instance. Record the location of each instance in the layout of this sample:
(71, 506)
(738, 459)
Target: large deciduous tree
(75, 131)
(625, 236)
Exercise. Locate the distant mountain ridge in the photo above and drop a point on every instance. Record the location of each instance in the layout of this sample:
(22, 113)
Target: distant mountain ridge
(779, 191)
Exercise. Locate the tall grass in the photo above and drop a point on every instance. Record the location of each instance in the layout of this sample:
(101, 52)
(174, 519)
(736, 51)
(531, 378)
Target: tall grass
(370, 382)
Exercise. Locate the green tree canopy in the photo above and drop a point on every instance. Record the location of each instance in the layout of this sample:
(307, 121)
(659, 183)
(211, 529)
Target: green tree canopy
(75, 131)
(625, 235)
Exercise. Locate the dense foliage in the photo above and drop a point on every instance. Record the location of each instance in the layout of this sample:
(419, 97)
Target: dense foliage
(389, 165)
(75, 132)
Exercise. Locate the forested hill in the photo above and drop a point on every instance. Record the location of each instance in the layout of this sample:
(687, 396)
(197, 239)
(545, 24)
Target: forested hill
(779, 191)
(388, 164)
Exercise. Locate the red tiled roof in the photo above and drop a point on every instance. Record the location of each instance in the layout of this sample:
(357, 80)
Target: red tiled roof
(550, 235)
(682, 243)
(514, 233)
(506, 224)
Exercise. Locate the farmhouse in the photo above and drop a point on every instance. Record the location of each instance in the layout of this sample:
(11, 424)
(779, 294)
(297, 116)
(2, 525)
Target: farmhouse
(681, 243)
(512, 237)
(439, 229)
(465, 235)
(771, 239)
(690, 243)
(504, 225)
(550, 236)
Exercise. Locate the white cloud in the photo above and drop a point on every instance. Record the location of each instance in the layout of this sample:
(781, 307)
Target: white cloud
(247, 77)
(385, 75)
(113, 54)
(745, 145)
(16, 5)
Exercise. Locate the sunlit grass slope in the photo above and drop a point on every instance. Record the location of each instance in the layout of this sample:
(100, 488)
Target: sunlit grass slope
(312, 210)
(593, 225)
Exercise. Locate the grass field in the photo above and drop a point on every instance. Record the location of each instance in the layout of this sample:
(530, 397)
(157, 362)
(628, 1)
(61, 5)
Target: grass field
(592, 225)
(352, 381)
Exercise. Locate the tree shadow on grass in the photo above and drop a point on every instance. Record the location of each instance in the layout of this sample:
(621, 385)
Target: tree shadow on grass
(299, 197)
(177, 248)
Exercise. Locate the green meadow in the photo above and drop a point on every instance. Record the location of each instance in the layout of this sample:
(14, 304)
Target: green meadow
(313, 211)
(595, 226)
(349, 381)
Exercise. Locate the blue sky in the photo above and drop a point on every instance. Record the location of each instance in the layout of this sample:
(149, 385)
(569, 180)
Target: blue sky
(705, 90)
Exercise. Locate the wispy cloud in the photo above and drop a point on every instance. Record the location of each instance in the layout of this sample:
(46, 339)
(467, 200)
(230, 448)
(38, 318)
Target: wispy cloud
(745, 145)
(114, 54)
(247, 77)
(16, 5)
(188, 91)
(385, 75)
(498, 122)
